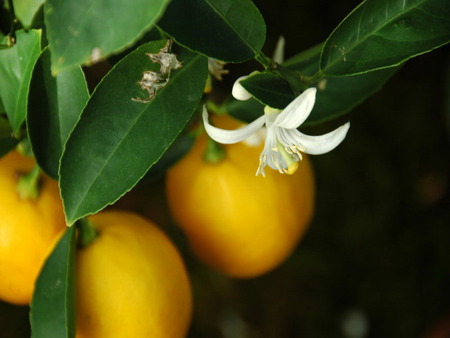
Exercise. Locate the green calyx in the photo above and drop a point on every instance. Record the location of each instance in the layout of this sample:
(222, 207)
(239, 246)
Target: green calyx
(214, 152)
(28, 185)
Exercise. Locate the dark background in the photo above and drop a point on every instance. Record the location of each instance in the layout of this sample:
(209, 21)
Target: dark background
(376, 259)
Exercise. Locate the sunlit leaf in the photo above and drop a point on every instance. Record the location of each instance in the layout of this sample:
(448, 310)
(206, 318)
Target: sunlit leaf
(84, 30)
(228, 30)
(54, 106)
(16, 65)
(385, 33)
(53, 305)
(118, 139)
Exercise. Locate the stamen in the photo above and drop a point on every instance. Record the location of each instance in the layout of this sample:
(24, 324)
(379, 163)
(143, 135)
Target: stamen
(292, 168)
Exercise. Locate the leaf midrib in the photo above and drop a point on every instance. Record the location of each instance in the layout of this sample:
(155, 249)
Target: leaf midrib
(253, 49)
(373, 32)
(75, 210)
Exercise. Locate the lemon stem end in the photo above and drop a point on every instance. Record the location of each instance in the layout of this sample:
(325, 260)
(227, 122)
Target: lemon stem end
(87, 232)
(28, 185)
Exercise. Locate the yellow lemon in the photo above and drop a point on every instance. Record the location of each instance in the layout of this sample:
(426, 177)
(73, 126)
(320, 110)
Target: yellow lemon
(131, 281)
(29, 229)
(238, 223)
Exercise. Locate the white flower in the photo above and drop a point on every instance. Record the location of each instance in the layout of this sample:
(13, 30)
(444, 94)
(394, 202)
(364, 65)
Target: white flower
(238, 91)
(284, 143)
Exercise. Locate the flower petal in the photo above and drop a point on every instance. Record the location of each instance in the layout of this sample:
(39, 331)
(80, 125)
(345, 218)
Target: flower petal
(231, 136)
(316, 145)
(239, 92)
(297, 111)
(269, 156)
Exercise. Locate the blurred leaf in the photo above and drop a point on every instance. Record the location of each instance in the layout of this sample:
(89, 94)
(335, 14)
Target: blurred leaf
(53, 305)
(7, 142)
(117, 139)
(81, 31)
(336, 95)
(25, 10)
(227, 30)
(54, 107)
(385, 33)
(16, 65)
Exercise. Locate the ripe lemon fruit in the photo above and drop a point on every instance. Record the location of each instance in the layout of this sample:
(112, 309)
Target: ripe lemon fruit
(131, 281)
(29, 229)
(238, 223)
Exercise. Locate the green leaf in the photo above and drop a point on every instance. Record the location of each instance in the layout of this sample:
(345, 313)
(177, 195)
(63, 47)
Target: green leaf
(25, 10)
(179, 148)
(246, 111)
(118, 139)
(7, 142)
(82, 31)
(227, 30)
(385, 33)
(16, 65)
(53, 305)
(269, 88)
(336, 95)
(54, 107)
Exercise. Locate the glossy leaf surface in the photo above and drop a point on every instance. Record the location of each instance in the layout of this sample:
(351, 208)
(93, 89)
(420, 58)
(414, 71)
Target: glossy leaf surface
(118, 139)
(16, 65)
(54, 106)
(228, 30)
(84, 30)
(53, 305)
(269, 88)
(336, 95)
(385, 33)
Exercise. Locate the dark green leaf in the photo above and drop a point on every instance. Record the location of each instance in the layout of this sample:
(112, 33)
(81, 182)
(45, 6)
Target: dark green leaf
(82, 31)
(25, 10)
(246, 111)
(385, 33)
(228, 30)
(16, 65)
(269, 88)
(117, 139)
(53, 305)
(54, 106)
(336, 95)
(7, 142)
(174, 153)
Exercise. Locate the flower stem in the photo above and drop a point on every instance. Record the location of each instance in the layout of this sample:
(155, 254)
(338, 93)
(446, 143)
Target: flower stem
(87, 232)
(264, 60)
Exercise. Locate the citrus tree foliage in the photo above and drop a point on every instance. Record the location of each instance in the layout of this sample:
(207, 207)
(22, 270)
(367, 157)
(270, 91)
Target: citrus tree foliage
(99, 143)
